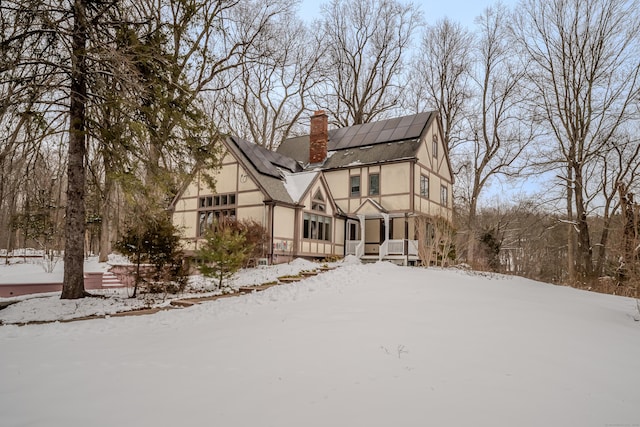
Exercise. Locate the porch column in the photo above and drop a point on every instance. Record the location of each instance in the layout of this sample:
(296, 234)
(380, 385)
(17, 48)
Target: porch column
(361, 219)
(386, 226)
(384, 247)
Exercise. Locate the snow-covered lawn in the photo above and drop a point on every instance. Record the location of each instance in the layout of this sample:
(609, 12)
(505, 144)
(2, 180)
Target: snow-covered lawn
(48, 307)
(362, 345)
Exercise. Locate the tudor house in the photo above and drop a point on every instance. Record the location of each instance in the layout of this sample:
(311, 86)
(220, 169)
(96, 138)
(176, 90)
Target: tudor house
(348, 191)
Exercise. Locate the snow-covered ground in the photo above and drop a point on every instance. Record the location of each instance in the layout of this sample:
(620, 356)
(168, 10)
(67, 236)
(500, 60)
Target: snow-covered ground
(361, 345)
(48, 307)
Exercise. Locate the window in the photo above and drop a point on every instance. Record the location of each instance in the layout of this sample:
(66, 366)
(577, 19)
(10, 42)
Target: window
(435, 146)
(317, 203)
(444, 195)
(316, 227)
(374, 184)
(424, 186)
(355, 186)
(212, 208)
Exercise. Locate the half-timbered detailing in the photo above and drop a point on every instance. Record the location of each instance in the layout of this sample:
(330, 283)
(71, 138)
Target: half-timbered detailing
(336, 192)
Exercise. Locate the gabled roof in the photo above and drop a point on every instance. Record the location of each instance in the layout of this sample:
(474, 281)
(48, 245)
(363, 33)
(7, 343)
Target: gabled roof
(381, 141)
(370, 206)
(281, 176)
(264, 173)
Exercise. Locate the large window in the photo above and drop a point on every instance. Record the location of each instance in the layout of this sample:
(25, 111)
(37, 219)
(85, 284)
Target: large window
(444, 195)
(317, 227)
(355, 185)
(374, 184)
(424, 186)
(212, 208)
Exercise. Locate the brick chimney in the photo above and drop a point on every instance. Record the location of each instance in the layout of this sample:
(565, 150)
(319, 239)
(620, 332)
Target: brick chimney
(318, 137)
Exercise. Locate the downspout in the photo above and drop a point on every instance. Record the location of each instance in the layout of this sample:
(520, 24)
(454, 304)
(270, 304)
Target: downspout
(344, 239)
(406, 237)
(271, 208)
(296, 232)
(412, 186)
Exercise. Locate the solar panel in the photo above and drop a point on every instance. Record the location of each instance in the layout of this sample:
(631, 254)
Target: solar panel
(257, 156)
(398, 129)
(392, 123)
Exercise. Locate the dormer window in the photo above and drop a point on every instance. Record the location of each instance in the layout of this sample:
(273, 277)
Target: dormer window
(318, 202)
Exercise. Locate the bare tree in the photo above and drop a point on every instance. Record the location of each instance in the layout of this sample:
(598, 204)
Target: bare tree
(366, 43)
(263, 100)
(501, 131)
(162, 53)
(583, 58)
(617, 164)
(440, 76)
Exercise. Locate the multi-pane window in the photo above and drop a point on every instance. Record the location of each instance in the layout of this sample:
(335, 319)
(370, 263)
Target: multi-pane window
(435, 146)
(355, 185)
(316, 227)
(444, 195)
(212, 208)
(424, 186)
(374, 184)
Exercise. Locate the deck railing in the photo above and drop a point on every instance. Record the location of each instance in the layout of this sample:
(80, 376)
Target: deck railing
(396, 247)
(413, 247)
(354, 247)
(389, 247)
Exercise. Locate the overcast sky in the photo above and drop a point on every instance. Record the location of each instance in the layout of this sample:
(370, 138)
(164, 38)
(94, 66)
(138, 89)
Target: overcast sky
(463, 11)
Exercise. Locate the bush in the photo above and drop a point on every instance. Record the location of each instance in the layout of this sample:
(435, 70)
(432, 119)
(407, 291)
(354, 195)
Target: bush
(228, 246)
(155, 240)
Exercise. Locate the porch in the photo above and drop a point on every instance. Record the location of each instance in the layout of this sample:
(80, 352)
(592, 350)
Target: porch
(399, 251)
(378, 236)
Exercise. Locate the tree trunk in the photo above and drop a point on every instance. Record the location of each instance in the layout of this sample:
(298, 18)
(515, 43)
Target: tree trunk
(105, 225)
(571, 262)
(73, 285)
(471, 225)
(602, 247)
(584, 250)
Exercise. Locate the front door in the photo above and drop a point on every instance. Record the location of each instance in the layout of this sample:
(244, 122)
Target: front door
(353, 230)
(373, 235)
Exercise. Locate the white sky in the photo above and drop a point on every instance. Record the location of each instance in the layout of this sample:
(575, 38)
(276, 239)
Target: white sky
(463, 11)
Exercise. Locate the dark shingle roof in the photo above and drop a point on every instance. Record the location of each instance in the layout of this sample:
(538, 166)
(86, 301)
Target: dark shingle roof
(384, 133)
(383, 141)
(368, 154)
